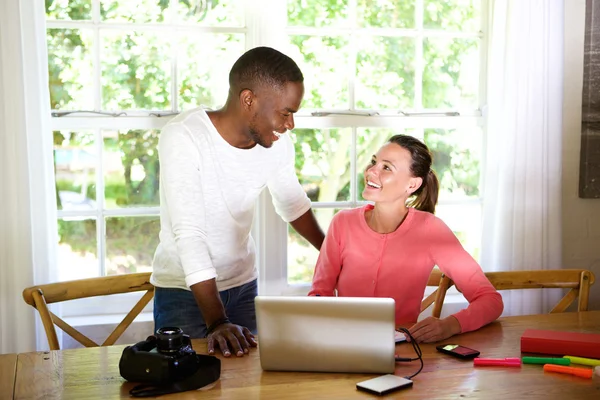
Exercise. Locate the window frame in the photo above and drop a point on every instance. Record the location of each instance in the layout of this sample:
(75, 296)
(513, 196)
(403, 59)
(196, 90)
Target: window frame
(270, 232)
(273, 242)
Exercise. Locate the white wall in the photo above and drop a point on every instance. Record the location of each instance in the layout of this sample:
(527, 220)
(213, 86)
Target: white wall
(580, 217)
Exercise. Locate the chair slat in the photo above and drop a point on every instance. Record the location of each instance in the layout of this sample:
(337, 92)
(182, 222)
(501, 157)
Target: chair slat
(40, 296)
(74, 333)
(436, 278)
(577, 280)
(40, 304)
(565, 302)
(535, 279)
(587, 279)
(445, 284)
(428, 300)
(103, 286)
(116, 334)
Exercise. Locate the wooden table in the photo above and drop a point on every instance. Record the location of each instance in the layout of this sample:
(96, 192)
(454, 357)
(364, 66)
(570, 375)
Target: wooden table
(8, 369)
(93, 372)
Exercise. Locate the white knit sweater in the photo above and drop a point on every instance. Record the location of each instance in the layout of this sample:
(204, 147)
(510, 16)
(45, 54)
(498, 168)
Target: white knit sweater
(208, 190)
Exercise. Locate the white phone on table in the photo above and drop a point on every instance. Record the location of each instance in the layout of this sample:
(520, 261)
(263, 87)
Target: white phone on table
(384, 384)
(399, 337)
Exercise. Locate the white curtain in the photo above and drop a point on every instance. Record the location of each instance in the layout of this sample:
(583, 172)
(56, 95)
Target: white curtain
(27, 198)
(522, 195)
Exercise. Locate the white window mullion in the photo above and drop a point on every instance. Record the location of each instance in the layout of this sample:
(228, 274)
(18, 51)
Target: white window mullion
(419, 63)
(141, 27)
(483, 50)
(174, 71)
(266, 20)
(353, 168)
(117, 212)
(486, 18)
(96, 55)
(100, 222)
(351, 71)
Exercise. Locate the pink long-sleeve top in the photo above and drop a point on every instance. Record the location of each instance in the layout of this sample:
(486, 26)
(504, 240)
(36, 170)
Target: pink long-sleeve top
(360, 262)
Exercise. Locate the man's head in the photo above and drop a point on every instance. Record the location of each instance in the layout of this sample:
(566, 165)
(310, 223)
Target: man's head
(268, 87)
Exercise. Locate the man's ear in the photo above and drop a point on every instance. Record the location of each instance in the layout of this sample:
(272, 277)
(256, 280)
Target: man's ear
(414, 184)
(247, 99)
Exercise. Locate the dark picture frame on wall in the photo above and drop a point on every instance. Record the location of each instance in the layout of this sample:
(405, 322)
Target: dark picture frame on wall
(589, 168)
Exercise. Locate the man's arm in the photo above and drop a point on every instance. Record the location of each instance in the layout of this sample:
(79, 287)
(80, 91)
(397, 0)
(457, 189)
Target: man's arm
(307, 226)
(290, 200)
(209, 301)
(229, 337)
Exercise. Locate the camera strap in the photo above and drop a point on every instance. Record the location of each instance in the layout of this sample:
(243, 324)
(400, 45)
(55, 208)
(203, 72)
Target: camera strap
(209, 371)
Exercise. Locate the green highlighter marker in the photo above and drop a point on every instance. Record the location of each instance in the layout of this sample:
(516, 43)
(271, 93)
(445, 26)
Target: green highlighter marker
(546, 360)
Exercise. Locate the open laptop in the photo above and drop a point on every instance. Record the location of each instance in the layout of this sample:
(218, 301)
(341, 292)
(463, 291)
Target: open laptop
(326, 334)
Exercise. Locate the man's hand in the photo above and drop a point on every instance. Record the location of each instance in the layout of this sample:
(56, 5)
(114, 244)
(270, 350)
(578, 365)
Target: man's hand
(433, 329)
(231, 338)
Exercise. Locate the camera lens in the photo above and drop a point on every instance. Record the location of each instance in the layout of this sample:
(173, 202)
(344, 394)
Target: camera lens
(169, 339)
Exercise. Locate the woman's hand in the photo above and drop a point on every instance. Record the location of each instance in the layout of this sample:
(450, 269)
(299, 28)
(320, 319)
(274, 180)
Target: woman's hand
(433, 329)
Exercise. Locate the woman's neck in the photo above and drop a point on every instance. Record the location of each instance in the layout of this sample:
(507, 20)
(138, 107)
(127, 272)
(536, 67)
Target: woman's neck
(386, 219)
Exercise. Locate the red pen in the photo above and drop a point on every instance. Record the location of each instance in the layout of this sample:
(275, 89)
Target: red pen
(497, 362)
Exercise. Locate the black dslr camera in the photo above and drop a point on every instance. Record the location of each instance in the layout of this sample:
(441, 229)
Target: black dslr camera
(167, 363)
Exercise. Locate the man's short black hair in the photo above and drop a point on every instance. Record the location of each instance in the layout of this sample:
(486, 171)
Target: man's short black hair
(263, 65)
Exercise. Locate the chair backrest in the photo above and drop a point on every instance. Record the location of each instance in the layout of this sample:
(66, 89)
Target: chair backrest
(577, 280)
(443, 283)
(42, 295)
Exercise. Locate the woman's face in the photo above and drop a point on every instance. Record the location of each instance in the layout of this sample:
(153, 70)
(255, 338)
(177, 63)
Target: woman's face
(388, 177)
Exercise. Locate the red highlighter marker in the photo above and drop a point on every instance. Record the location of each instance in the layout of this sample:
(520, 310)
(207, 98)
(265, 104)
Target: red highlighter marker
(497, 362)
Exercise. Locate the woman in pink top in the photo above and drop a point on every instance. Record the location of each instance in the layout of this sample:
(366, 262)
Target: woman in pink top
(390, 249)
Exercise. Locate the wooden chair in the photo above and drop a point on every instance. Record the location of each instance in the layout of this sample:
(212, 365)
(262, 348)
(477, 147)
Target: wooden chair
(42, 295)
(578, 280)
(443, 283)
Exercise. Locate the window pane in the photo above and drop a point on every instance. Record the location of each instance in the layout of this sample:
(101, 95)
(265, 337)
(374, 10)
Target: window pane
(70, 70)
(77, 249)
(318, 13)
(386, 13)
(385, 73)
(456, 160)
(69, 9)
(75, 160)
(302, 256)
(203, 65)
(136, 70)
(465, 222)
(130, 244)
(131, 168)
(134, 11)
(451, 74)
(323, 162)
(324, 64)
(457, 15)
(368, 142)
(212, 12)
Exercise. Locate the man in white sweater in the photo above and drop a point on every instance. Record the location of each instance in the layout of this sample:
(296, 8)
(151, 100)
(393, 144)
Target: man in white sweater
(214, 164)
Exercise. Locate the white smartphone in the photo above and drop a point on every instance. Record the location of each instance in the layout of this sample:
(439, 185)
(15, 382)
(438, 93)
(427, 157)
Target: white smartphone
(399, 337)
(384, 384)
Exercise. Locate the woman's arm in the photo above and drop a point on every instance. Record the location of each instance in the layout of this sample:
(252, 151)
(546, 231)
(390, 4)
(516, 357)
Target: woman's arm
(485, 303)
(329, 263)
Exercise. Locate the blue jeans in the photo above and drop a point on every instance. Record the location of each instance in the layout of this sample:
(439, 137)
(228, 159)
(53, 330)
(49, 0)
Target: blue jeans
(177, 307)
